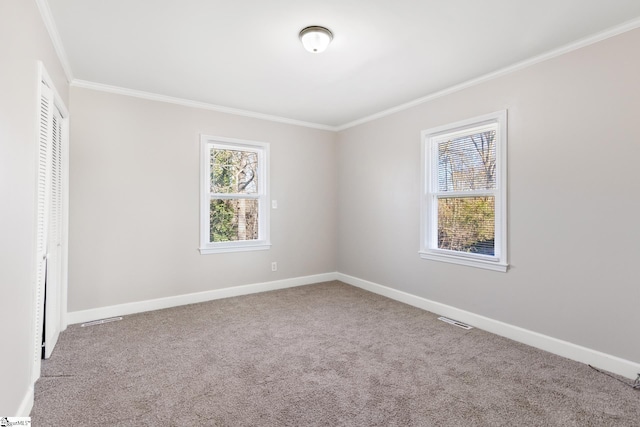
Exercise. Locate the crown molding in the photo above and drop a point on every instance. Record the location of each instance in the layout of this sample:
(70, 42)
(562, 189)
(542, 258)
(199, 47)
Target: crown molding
(49, 23)
(45, 12)
(595, 38)
(194, 104)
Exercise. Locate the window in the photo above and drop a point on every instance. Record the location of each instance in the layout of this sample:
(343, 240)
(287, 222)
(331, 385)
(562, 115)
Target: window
(463, 208)
(234, 214)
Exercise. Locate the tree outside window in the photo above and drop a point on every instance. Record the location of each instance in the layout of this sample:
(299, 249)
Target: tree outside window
(233, 172)
(463, 205)
(234, 214)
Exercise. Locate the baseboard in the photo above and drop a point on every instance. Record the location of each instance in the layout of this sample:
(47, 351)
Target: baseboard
(174, 301)
(562, 348)
(27, 403)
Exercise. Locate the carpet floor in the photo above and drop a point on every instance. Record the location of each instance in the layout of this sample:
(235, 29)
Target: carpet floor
(319, 355)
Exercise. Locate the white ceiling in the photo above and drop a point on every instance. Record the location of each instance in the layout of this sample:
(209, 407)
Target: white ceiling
(245, 54)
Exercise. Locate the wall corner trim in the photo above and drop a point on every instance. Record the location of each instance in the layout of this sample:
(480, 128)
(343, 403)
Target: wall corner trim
(193, 298)
(623, 367)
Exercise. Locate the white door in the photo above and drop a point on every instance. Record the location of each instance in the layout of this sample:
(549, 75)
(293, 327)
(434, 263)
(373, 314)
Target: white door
(54, 239)
(45, 125)
(50, 286)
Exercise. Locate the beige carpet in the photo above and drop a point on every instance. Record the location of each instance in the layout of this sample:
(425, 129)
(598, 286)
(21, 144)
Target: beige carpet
(319, 355)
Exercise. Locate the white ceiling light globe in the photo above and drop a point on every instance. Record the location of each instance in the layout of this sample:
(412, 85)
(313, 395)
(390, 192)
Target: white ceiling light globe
(315, 39)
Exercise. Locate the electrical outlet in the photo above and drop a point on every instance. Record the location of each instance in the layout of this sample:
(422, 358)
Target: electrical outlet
(274, 266)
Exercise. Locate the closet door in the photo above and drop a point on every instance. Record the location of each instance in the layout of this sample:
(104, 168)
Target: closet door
(54, 239)
(42, 226)
(49, 228)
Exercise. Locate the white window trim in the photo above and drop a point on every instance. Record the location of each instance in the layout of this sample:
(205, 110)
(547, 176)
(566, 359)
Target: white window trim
(262, 149)
(428, 209)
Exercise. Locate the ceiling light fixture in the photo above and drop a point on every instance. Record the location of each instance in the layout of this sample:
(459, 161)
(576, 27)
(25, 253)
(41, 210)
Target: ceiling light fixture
(315, 39)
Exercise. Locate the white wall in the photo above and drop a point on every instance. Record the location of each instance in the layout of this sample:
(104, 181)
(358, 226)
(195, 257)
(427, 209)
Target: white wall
(134, 204)
(23, 41)
(574, 198)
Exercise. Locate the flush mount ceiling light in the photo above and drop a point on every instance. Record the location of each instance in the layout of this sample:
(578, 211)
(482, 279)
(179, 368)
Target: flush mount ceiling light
(315, 39)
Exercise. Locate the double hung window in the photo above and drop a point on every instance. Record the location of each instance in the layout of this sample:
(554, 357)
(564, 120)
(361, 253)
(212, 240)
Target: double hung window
(464, 193)
(234, 196)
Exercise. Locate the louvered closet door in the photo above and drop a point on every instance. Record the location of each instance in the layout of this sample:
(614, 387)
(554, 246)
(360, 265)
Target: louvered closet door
(49, 228)
(54, 243)
(44, 164)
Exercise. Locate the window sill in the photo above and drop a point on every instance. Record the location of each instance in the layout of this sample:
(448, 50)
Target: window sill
(235, 248)
(468, 261)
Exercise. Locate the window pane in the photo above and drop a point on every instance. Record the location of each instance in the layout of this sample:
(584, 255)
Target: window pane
(467, 224)
(232, 220)
(468, 162)
(234, 171)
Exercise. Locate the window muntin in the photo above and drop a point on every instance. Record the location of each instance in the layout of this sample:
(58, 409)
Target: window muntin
(234, 205)
(464, 191)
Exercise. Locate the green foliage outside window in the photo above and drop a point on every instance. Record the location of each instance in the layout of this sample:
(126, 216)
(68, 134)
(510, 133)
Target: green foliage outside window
(233, 172)
(467, 164)
(467, 224)
(223, 227)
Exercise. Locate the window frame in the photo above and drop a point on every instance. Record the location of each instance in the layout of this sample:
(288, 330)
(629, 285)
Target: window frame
(429, 193)
(263, 242)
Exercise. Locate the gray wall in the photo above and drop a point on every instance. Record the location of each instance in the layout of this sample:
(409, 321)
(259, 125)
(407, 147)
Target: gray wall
(23, 41)
(134, 208)
(574, 198)
(573, 188)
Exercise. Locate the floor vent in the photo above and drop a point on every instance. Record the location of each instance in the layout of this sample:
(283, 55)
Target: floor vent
(101, 321)
(455, 323)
